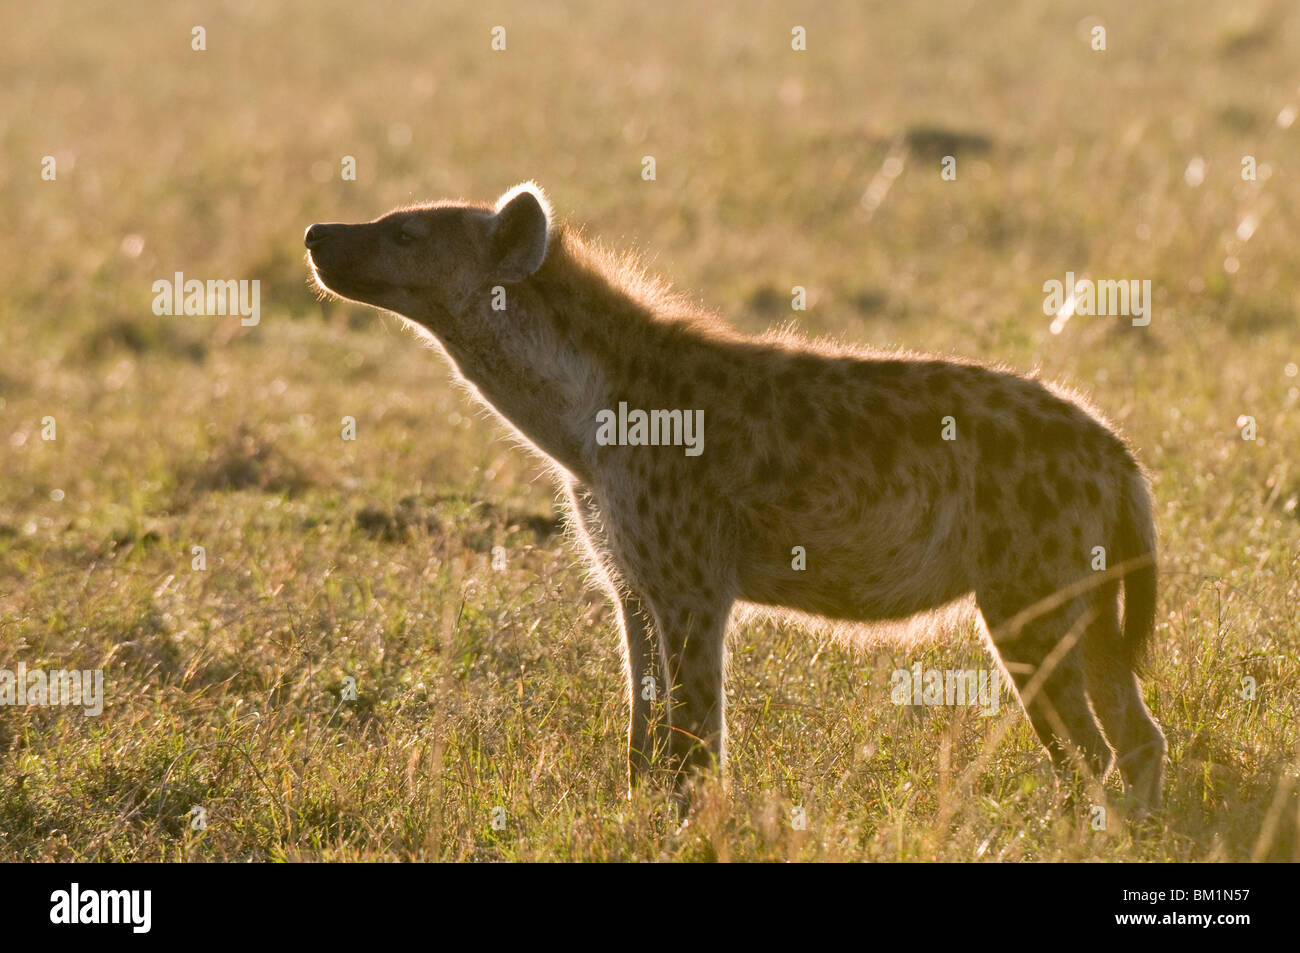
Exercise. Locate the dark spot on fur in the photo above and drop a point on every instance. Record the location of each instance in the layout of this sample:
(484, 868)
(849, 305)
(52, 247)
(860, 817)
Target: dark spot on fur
(987, 494)
(995, 546)
(808, 365)
(1033, 499)
(797, 418)
(654, 478)
(884, 450)
(788, 380)
(1057, 434)
(889, 373)
(767, 470)
(714, 376)
(995, 441)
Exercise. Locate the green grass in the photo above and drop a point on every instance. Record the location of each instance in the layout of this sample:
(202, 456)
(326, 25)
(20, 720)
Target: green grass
(371, 559)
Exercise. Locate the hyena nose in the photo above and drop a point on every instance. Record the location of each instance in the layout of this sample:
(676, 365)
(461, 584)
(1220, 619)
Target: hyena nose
(316, 235)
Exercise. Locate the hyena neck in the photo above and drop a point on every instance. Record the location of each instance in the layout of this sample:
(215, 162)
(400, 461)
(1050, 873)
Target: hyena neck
(556, 353)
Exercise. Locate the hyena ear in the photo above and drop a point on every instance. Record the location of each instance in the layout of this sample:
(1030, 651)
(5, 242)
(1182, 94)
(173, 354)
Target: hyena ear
(520, 232)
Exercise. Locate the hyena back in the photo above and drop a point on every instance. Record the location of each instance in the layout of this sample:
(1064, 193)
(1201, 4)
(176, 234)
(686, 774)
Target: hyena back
(908, 481)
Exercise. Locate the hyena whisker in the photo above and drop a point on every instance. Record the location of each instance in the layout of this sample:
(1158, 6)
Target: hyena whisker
(705, 471)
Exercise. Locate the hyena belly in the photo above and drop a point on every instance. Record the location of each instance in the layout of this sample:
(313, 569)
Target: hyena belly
(889, 554)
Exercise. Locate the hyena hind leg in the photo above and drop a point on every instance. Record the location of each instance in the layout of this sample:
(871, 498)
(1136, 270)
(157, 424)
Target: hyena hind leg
(1050, 682)
(1117, 699)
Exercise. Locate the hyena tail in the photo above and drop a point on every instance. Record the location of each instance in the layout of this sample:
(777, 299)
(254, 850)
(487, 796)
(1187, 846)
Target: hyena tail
(1136, 542)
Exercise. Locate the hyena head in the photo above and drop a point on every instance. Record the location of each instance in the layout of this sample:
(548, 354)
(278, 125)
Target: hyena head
(433, 260)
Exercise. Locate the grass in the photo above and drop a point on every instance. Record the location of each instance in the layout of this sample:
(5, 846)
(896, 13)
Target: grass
(480, 688)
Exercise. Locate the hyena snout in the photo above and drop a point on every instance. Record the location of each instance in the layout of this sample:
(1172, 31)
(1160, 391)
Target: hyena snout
(319, 235)
(341, 258)
(328, 238)
(326, 248)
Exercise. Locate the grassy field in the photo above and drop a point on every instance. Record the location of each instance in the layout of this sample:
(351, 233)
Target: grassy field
(480, 688)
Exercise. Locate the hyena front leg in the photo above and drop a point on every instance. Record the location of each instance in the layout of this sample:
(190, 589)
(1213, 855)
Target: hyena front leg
(646, 683)
(691, 638)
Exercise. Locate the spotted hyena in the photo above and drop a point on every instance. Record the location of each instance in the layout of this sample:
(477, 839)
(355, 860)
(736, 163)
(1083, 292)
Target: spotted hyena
(695, 460)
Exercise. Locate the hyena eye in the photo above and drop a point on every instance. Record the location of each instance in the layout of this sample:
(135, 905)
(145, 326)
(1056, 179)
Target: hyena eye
(410, 232)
